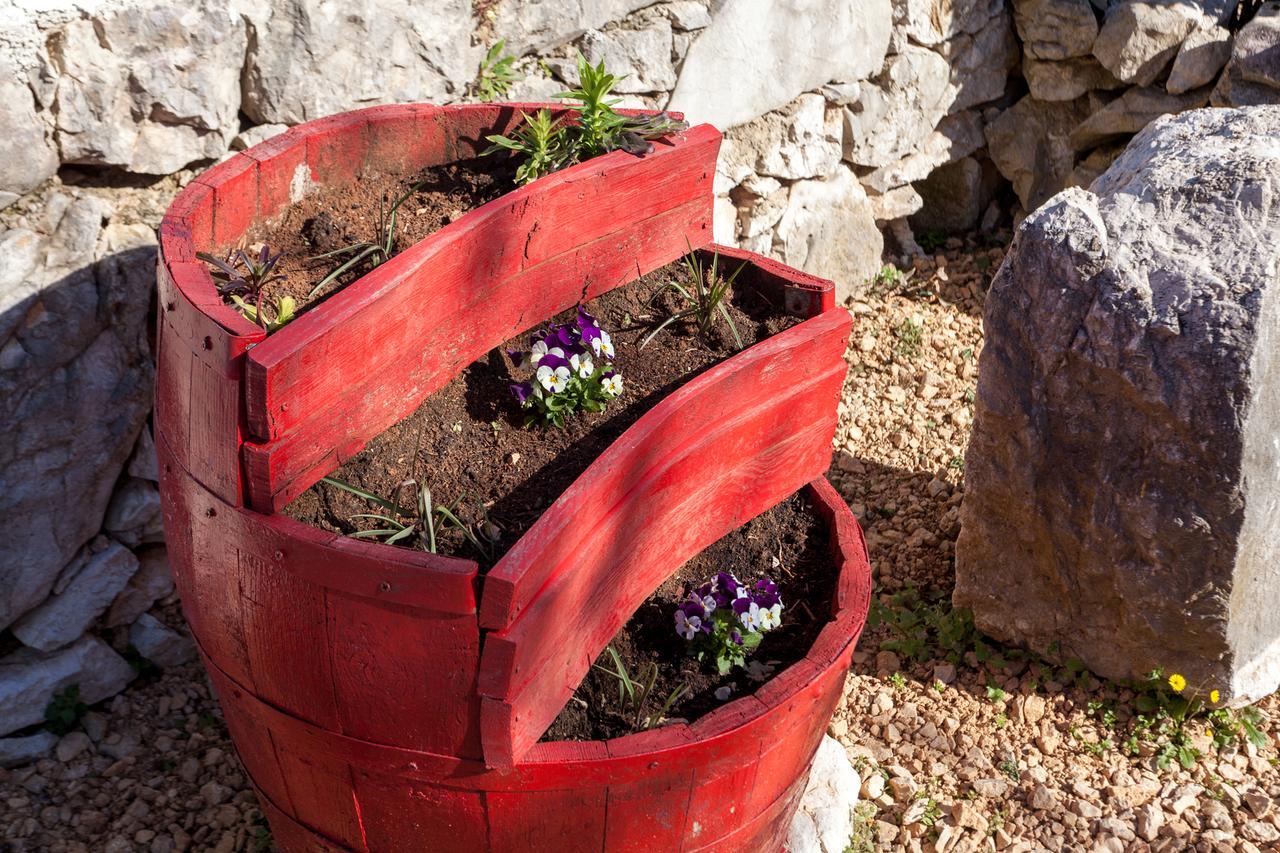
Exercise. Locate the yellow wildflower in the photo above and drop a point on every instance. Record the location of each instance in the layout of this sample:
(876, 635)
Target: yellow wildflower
(1177, 682)
(1213, 697)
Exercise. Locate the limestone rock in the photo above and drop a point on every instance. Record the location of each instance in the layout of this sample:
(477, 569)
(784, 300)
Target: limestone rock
(27, 155)
(954, 196)
(895, 204)
(1055, 29)
(934, 22)
(142, 462)
(1131, 112)
(641, 57)
(802, 140)
(536, 25)
(981, 61)
(688, 15)
(823, 823)
(1029, 143)
(16, 751)
(785, 47)
(76, 370)
(151, 87)
(829, 229)
(1066, 80)
(1139, 39)
(1200, 58)
(258, 133)
(413, 51)
(958, 135)
(1120, 497)
(1252, 76)
(160, 644)
(899, 109)
(28, 679)
(150, 583)
(133, 516)
(65, 616)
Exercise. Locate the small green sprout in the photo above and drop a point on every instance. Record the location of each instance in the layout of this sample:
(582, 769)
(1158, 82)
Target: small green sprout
(709, 292)
(496, 75)
(242, 275)
(64, 710)
(910, 336)
(634, 694)
(425, 520)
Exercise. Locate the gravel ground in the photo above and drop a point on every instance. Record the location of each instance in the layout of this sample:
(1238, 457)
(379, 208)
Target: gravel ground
(962, 745)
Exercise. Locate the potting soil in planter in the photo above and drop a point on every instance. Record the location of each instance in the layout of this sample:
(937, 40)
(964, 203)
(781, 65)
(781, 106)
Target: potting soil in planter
(330, 218)
(789, 545)
(467, 442)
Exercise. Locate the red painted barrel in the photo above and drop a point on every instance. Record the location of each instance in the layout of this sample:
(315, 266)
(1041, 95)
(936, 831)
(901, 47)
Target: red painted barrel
(376, 698)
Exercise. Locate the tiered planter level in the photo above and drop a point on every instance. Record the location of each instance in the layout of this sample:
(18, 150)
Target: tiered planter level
(388, 699)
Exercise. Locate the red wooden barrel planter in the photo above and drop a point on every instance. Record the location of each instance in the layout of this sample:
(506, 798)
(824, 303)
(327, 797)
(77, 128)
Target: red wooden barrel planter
(390, 699)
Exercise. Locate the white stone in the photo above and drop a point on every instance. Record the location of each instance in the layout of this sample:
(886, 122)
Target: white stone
(65, 616)
(1252, 75)
(980, 62)
(160, 644)
(642, 58)
(688, 14)
(957, 136)
(935, 22)
(258, 133)
(785, 48)
(1139, 39)
(28, 679)
(1200, 58)
(150, 583)
(896, 203)
(133, 516)
(829, 229)
(1144, 311)
(27, 154)
(1067, 79)
(150, 87)
(760, 203)
(537, 25)
(899, 109)
(1131, 112)
(802, 140)
(17, 751)
(824, 819)
(142, 462)
(1030, 143)
(366, 52)
(1055, 29)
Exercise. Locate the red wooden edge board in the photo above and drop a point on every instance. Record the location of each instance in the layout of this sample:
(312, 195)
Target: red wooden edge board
(517, 578)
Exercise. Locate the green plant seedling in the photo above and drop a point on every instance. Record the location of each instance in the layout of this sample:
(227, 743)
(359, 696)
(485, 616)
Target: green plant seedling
(541, 142)
(707, 299)
(244, 278)
(496, 75)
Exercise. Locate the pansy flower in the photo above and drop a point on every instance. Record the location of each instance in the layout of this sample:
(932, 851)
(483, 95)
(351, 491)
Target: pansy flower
(554, 379)
(612, 384)
(687, 626)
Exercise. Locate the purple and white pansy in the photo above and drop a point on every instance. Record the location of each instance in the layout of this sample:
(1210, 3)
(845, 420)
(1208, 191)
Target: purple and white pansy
(572, 371)
(725, 619)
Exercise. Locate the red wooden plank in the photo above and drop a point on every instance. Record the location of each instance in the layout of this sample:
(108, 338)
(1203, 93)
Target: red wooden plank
(716, 802)
(283, 176)
(253, 742)
(337, 147)
(406, 678)
(190, 214)
(406, 137)
(806, 295)
(766, 831)
(290, 836)
(401, 814)
(431, 341)
(234, 182)
(741, 384)
(214, 440)
(648, 814)
(567, 821)
(213, 332)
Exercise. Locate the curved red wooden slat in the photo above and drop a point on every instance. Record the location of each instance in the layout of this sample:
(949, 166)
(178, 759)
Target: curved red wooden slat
(659, 790)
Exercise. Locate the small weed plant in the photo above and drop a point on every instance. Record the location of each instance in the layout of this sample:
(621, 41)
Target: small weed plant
(572, 365)
(64, 710)
(545, 144)
(496, 75)
(244, 278)
(910, 335)
(724, 620)
(635, 695)
(366, 253)
(705, 297)
(422, 522)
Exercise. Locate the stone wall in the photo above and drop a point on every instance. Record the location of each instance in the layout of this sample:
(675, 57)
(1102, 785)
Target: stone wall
(846, 124)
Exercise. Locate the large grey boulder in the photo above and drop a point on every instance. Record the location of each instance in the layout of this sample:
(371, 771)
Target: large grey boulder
(76, 375)
(366, 52)
(150, 87)
(784, 48)
(1122, 500)
(29, 679)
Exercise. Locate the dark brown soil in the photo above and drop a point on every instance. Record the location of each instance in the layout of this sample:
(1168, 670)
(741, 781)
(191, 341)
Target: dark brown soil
(466, 443)
(333, 217)
(789, 545)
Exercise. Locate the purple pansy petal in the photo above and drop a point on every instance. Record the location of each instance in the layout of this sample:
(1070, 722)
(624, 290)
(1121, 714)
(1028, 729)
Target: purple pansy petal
(521, 390)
